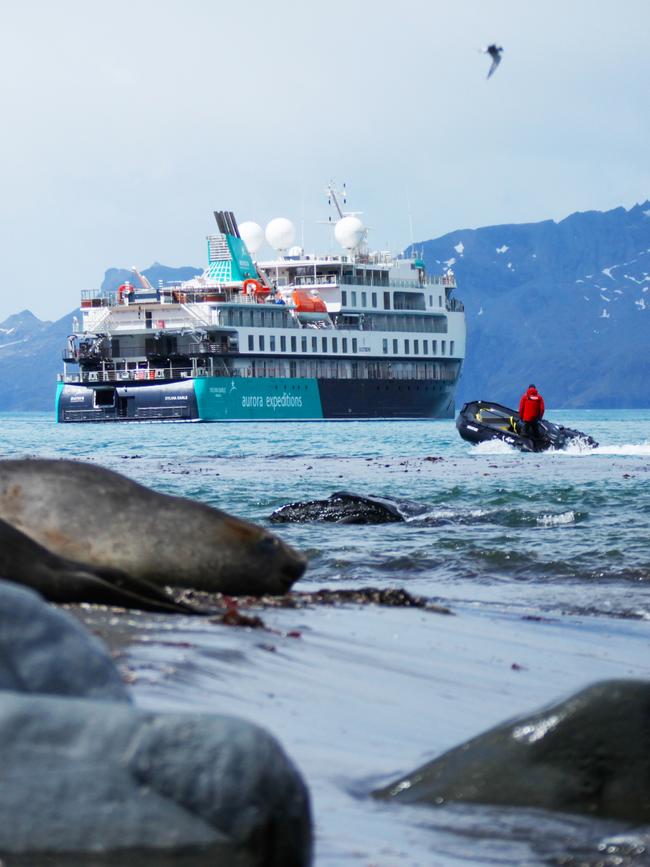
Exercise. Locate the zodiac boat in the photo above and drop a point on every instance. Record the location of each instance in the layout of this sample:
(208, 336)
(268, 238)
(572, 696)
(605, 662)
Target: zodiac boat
(480, 421)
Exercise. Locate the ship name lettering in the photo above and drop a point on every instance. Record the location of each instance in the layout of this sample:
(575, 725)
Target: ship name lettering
(272, 401)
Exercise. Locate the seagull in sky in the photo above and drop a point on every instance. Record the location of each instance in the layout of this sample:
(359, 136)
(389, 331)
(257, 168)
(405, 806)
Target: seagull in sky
(495, 52)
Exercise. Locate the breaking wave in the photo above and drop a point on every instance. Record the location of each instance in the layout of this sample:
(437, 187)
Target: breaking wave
(556, 520)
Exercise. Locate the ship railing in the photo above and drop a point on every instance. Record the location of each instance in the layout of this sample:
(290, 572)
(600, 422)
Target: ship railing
(98, 298)
(136, 375)
(342, 370)
(159, 321)
(316, 281)
(401, 305)
(454, 305)
(396, 283)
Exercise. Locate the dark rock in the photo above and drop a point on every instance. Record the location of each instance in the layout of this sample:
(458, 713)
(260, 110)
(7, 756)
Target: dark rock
(392, 597)
(343, 507)
(45, 650)
(588, 754)
(81, 775)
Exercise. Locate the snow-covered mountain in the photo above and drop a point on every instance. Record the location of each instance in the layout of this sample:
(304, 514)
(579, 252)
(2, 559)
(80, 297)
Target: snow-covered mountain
(564, 305)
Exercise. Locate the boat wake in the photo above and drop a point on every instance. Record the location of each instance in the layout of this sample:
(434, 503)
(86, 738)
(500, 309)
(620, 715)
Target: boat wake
(492, 447)
(633, 449)
(577, 447)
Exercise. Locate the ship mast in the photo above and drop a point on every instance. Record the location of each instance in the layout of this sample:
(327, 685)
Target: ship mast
(332, 197)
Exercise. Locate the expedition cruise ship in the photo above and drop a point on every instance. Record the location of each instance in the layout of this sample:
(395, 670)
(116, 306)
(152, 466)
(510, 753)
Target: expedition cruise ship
(357, 335)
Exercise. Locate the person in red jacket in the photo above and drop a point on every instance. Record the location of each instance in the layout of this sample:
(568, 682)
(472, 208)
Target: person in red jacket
(531, 411)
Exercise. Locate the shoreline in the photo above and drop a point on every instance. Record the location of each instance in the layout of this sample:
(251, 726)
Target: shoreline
(366, 693)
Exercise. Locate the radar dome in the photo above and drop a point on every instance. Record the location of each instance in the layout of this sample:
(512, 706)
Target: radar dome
(280, 233)
(252, 235)
(349, 232)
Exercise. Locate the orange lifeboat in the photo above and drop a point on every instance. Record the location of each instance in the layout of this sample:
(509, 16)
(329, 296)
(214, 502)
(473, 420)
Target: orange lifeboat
(307, 303)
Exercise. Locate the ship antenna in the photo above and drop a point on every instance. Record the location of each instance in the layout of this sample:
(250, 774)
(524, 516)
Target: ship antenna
(332, 197)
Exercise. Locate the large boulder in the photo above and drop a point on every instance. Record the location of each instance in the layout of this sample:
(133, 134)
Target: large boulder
(82, 776)
(588, 754)
(344, 507)
(45, 650)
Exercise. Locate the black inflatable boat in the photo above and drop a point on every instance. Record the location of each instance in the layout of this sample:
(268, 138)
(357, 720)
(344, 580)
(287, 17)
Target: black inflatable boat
(480, 421)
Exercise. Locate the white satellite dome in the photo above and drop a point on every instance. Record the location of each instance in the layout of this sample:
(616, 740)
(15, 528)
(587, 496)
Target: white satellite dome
(280, 233)
(349, 232)
(252, 235)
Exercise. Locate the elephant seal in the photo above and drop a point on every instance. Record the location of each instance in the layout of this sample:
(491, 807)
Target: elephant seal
(95, 516)
(588, 754)
(343, 507)
(24, 561)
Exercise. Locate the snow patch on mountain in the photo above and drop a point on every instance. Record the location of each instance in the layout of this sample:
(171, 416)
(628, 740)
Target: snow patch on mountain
(503, 249)
(460, 248)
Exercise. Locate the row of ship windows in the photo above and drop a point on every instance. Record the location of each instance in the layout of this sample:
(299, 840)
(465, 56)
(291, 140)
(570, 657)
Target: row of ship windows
(325, 343)
(354, 297)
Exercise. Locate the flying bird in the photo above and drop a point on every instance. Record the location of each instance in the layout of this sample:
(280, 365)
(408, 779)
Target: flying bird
(495, 53)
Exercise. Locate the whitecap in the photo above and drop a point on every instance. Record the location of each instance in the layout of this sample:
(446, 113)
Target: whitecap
(446, 515)
(556, 520)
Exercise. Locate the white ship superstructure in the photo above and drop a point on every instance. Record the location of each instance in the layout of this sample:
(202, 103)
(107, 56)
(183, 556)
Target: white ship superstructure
(356, 335)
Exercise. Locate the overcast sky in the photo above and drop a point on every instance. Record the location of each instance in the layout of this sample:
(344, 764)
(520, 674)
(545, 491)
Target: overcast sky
(124, 126)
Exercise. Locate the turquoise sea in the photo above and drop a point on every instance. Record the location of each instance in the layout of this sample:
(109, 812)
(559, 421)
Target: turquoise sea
(544, 560)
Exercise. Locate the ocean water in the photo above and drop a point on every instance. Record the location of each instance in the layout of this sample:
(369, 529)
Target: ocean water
(543, 559)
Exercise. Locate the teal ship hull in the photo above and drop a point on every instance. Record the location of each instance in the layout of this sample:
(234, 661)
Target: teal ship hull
(222, 399)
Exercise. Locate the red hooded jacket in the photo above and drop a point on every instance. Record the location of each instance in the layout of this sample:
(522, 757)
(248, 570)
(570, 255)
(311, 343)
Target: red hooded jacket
(531, 405)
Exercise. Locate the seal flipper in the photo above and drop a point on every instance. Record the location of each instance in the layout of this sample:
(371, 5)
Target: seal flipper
(24, 561)
(139, 589)
(120, 589)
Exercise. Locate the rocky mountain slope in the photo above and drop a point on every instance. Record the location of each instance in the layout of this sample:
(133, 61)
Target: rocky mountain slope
(30, 350)
(564, 305)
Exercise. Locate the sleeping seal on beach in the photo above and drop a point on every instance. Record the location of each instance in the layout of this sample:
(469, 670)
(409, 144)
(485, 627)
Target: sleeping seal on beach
(95, 516)
(24, 561)
(588, 754)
